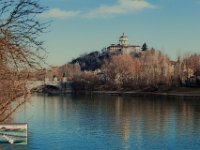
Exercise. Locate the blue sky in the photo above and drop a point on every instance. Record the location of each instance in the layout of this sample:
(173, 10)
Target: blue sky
(82, 26)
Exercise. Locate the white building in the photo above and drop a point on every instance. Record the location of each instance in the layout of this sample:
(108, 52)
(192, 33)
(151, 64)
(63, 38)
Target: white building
(123, 47)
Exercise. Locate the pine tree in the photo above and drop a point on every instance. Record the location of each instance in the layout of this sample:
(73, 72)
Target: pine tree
(144, 47)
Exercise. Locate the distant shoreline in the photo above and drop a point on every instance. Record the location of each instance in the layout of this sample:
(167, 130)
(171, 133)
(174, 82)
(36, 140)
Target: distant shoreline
(185, 92)
(132, 93)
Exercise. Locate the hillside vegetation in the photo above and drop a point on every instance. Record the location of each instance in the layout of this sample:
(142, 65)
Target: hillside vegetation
(148, 70)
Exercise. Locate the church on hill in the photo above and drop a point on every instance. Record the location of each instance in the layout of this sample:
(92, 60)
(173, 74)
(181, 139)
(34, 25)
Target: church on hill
(123, 47)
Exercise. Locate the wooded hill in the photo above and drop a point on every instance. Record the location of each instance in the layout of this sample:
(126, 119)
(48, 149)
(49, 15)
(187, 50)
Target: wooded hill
(91, 61)
(95, 60)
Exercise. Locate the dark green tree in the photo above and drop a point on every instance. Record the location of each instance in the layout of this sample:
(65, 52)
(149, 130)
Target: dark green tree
(144, 47)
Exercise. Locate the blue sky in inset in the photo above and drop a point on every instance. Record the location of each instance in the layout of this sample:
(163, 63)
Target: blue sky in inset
(82, 26)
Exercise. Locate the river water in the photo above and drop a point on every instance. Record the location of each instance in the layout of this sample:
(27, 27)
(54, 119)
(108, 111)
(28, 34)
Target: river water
(110, 123)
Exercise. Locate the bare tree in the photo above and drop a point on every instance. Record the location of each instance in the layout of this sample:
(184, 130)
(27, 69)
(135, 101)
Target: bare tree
(20, 50)
(122, 70)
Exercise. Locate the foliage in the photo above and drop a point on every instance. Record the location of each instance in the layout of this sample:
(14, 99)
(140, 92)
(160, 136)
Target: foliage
(91, 61)
(86, 81)
(144, 47)
(147, 70)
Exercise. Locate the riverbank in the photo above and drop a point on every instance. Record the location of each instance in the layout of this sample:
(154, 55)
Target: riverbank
(174, 92)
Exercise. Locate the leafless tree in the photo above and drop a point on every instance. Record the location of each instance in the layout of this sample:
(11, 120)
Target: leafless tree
(20, 50)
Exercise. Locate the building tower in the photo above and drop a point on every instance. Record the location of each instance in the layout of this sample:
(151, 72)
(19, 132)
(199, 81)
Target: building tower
(123, 40)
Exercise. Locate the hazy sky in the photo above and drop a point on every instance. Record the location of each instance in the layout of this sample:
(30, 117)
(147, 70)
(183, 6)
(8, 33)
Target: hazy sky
(81, 26)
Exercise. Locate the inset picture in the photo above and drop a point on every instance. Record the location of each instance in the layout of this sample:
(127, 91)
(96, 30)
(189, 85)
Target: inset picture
(13, 133)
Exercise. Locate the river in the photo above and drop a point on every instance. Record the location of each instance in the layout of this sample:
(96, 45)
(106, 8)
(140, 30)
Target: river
(109, 122)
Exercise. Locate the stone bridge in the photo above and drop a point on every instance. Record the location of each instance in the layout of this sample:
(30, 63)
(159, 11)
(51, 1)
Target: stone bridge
(35, 84)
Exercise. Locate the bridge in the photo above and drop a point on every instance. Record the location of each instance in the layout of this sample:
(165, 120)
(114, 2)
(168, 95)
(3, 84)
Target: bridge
(58, 84)
(35, 84)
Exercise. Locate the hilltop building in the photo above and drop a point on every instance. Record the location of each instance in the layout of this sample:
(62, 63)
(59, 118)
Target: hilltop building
(123, 47)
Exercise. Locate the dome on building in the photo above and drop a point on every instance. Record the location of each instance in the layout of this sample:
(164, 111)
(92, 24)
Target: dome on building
(123, 47)
(123, 40)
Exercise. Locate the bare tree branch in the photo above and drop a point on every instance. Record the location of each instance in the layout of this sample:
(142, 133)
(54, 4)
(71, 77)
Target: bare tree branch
(20, 49)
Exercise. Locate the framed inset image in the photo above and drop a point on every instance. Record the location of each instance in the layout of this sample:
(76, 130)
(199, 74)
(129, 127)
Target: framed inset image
(13, 133)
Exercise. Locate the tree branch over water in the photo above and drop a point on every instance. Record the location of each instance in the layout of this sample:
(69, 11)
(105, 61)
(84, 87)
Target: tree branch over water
(20, 49)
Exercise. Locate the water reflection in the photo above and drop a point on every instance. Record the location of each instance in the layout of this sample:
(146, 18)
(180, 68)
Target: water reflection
(111, 122)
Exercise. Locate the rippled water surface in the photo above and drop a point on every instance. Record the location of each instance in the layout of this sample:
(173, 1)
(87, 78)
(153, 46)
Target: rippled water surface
(110, 122)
